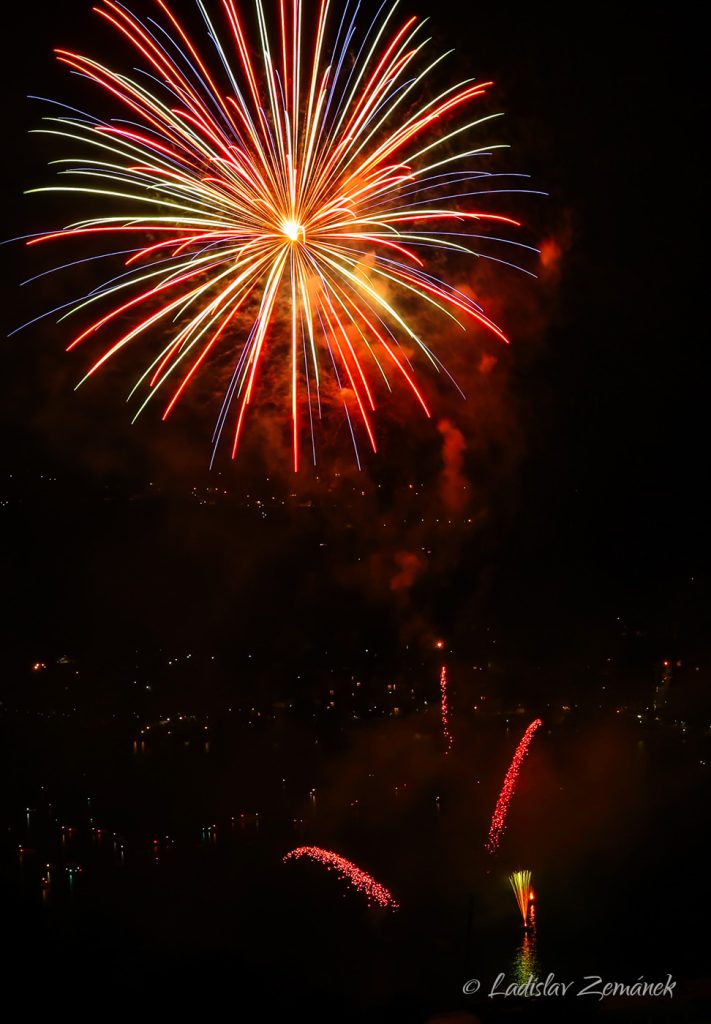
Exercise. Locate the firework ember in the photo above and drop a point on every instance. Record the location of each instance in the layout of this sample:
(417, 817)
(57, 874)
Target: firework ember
(448, 739)
(523, 891)
(360, 880)
(498, 820)
(275, 201)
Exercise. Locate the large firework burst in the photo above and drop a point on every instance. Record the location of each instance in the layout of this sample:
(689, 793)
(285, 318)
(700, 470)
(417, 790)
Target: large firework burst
(277, 200)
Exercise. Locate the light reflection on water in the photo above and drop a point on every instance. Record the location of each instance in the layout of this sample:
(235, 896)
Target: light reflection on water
(526, 962)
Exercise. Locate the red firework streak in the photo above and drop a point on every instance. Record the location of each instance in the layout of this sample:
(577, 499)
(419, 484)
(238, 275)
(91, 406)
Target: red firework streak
(448, 739)
(361, 880)
(498, 820)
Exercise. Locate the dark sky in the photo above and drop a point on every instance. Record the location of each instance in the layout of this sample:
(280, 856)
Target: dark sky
(602, 508)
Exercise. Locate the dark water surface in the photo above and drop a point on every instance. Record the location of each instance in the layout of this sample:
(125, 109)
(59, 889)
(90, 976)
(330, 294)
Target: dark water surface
(166, 888)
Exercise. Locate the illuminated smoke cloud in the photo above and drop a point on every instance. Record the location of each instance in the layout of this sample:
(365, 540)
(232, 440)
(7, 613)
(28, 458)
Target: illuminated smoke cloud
(453, 483)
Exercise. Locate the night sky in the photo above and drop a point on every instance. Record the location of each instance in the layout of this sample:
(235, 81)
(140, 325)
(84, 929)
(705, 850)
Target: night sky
(546, 539)
(586, 447)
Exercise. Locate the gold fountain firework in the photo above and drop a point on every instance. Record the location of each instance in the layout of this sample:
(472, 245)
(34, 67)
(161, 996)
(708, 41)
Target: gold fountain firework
(523, 891)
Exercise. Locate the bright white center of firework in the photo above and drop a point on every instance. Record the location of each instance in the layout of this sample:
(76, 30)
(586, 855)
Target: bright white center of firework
(292, 229)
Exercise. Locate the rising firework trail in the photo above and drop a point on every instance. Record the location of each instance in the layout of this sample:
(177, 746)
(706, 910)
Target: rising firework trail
(273, 194)
(523, 891)
(498, 820)
(444, 707)
(361, 880)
